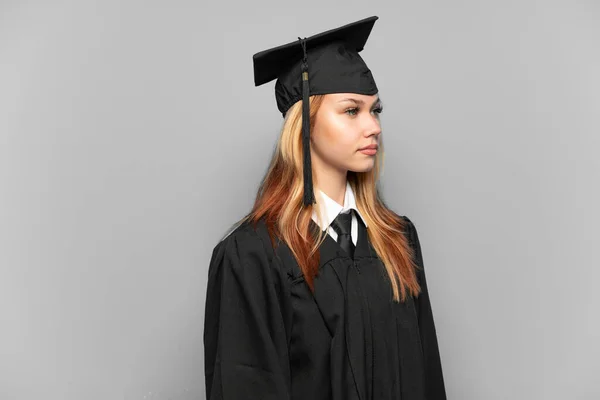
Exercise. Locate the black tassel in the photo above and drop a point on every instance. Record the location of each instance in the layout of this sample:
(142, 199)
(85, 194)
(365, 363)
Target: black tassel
(309, 197)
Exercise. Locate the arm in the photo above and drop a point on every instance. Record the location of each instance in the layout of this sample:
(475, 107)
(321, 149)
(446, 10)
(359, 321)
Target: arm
(245, 346)
(434, 379)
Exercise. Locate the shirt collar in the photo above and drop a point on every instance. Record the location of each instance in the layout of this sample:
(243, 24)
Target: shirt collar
(330, 208)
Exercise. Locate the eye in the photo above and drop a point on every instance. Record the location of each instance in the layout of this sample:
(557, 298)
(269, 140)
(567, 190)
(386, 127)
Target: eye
(352, 111)
(356, 110)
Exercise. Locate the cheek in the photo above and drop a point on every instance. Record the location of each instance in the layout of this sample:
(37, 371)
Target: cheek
(336, 132)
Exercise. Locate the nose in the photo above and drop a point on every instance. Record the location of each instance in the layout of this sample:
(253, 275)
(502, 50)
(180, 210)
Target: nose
(373, 126)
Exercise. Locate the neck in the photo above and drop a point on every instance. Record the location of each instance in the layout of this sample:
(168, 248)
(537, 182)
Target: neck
(333, 183)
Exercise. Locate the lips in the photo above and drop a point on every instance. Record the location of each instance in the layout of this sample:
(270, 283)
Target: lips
(370, 147)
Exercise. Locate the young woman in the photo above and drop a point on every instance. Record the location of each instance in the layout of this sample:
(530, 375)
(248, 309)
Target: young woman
(321, 294)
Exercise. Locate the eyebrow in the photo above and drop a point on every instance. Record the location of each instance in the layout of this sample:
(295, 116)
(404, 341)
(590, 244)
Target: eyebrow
(361, 102)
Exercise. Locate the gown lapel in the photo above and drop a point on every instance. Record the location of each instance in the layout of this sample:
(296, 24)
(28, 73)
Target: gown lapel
(343, 303)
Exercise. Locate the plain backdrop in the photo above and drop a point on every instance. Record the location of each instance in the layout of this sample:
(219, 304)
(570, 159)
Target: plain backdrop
(132, 137)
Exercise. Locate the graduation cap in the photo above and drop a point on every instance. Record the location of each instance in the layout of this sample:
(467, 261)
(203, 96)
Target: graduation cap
(327, 62)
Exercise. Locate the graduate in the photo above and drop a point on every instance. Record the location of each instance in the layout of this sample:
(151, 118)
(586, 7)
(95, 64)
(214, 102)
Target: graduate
(319, 292)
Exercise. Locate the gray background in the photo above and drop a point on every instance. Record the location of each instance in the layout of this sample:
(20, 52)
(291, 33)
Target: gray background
(132, 137)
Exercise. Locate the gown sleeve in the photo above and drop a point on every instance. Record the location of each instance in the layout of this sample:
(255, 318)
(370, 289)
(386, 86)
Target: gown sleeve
(245, 346)
(434, 380)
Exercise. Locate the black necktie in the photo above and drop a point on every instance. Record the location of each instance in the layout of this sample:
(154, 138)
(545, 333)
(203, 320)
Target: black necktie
(342, 225)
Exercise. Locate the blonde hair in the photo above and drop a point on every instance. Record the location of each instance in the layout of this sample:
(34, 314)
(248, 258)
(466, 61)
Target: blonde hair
(279, 202)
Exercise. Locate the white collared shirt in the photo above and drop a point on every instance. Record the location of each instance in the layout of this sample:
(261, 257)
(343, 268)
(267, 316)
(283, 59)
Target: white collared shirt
(330, 210)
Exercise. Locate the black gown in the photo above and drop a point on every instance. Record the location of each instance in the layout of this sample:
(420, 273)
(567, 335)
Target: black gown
(267, 337)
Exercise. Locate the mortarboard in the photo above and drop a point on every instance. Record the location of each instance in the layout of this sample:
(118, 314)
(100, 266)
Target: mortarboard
(327, 62)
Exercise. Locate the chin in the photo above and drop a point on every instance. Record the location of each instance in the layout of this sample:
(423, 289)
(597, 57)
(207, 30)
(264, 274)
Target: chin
(363, 167)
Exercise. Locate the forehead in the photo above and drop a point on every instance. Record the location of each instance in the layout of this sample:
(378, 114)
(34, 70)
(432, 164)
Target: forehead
(344, 98)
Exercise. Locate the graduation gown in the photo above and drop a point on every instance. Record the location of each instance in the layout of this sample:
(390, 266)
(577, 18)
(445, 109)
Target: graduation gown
(266, 336)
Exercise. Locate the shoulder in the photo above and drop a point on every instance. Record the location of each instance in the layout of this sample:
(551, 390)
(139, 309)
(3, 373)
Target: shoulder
(244, 247)
(244, 236)
(410, 231)
(407, 221)
(407, 227)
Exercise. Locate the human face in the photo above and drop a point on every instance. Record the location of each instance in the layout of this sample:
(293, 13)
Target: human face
(344, 124)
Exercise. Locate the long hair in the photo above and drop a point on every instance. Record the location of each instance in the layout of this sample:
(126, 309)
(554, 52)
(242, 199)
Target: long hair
(279, 202)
